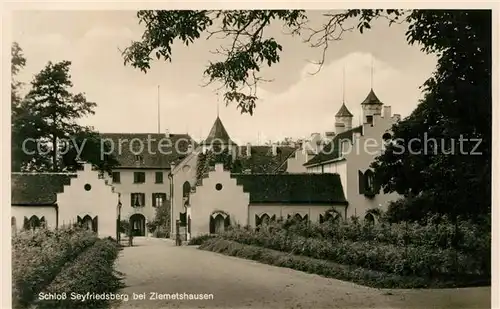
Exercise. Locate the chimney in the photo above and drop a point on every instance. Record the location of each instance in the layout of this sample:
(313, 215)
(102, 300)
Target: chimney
(190, 148)
(315, 138)
(275, 149)
(172, 166)
(397, 117)
(87, 167)
(167, 132)
(387, 112)
(249, 150)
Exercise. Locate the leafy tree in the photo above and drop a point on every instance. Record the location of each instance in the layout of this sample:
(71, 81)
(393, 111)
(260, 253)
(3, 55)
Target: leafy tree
(450, 176)
(161, 223)
(45, 132)
(18, 61)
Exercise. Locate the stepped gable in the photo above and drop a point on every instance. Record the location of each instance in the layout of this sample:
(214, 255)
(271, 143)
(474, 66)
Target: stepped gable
(38, 189)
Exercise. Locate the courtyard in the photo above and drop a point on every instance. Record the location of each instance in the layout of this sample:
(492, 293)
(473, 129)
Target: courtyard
(157, 267)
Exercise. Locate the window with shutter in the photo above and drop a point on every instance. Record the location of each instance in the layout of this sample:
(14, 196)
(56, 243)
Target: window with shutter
(116, 177)
(137, 199)
(361, 179)
(159, 177)
(159, 199)
(139, 177)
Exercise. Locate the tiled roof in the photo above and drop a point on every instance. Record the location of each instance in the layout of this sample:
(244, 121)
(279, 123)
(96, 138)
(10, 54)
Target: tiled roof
(38, 189)
(218, 134)
(292, 188)
(163, 150)
(262, 160)
(332, 150)
(371, 98)
(343, 112)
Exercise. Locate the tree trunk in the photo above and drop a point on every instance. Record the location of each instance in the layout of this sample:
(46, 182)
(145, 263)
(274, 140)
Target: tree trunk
(54, 153)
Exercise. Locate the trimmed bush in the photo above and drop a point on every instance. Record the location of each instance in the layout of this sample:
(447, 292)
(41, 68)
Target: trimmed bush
(91, 272)
(198, 240)
(423, 260)
(316, 266)
(38, 256)
(359, 275)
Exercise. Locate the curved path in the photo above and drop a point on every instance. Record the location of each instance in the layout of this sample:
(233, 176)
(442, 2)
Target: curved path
(157, 266)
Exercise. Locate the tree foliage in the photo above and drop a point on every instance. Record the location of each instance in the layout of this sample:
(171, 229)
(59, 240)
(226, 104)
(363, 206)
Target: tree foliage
(450, 176)
(45, 132)
(160, 225)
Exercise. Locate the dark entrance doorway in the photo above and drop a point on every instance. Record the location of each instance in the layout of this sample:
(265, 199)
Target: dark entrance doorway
(138, 225)
(219, 222)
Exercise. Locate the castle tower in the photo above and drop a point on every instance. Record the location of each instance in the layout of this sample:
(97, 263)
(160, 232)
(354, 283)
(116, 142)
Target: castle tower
(218, 139)
(372, 107)
(343, 119)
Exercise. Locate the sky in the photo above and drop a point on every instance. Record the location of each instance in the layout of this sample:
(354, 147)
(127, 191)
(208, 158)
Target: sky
(295, 103)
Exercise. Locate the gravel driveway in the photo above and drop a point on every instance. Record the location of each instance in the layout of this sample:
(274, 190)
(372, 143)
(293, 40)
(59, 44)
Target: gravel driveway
(157, 266)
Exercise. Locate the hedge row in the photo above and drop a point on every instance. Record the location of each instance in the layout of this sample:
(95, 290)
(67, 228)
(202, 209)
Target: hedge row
(359, 275)
(38, 256)
(92, 271)
(465, 236)
(425, 261)
(198, 240)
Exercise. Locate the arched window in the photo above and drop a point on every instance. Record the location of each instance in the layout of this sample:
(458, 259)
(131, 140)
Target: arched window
(32, 223)
(186, 190)
(265, 219)
(87, 222)
(369, 219)
(330, 216)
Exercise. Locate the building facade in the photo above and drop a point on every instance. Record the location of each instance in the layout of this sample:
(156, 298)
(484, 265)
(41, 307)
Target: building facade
(351, 152)
(59, 199)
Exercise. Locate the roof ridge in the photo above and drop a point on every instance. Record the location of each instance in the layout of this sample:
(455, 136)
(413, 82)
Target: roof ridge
(371, 98)
(343, 112)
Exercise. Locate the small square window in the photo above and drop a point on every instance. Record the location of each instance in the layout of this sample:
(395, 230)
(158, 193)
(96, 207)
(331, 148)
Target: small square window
(139, 177)
(116, 177)
(159, 177)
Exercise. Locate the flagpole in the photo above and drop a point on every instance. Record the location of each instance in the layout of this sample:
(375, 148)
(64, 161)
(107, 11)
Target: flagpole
(159, 109)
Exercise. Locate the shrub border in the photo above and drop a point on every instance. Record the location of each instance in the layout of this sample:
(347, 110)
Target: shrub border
(328, 269)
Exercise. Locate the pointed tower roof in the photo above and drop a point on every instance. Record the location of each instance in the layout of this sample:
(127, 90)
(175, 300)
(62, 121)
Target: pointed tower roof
(371, 98)
(343, 112)
(218, 133)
